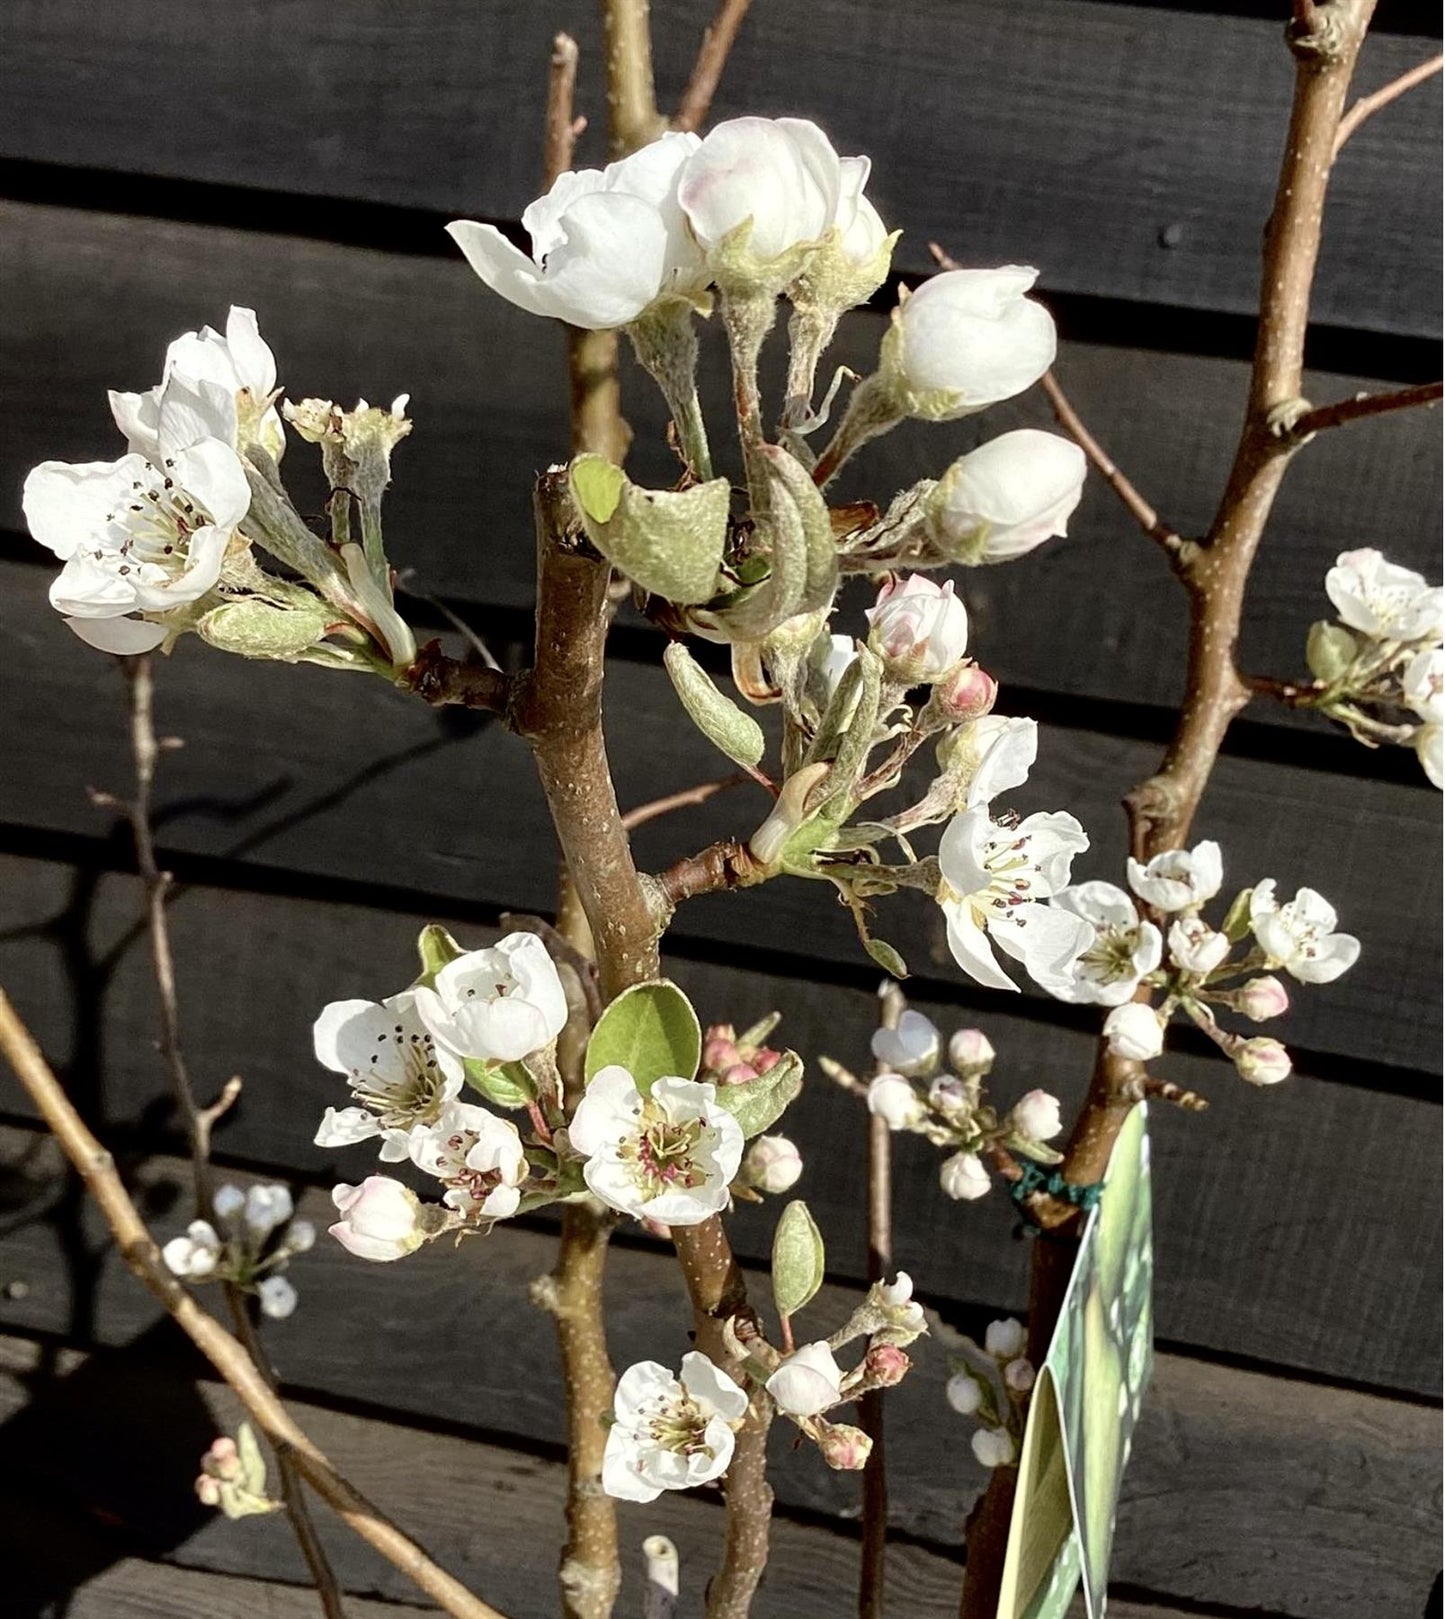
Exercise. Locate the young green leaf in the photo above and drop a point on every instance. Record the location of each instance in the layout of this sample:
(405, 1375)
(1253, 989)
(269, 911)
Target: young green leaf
(759, 1103)
(720, 720)
(650, 1030)
(886, 956)
(436, 947)
(508, 1084)
(797, 1259)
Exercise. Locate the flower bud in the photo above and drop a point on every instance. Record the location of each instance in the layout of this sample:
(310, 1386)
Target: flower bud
(1037, 1115)
(993, 1447)
(1005, 1339)
(1329, 651)
(844, 1447)
(970, 1052)
(969, 338)
(1262, 1061)
(266, 1208)
(222, 1460)
(208, 1490)
(807, 1382)
(380, 1219)
(196, 1254)
(772, 1164)
(948, 1095)
(891, 1097)
(966, 692)
(911, 1049)
(1019, 1375)
(964, 1393)
(1262, 998)
(964, 1178)
(1007, 496)
(1195, 947)
(919, 629)
(1134, 1031)
(886, 1365)
(300, 1236)
(277, 1296)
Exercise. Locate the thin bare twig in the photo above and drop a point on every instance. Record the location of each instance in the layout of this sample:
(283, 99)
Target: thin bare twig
(712, 57)
(872, 1565)
(97, 1169)
(688, 798)
(563, 126)
(1368, 106)
(1363, 405)
(198, 1120)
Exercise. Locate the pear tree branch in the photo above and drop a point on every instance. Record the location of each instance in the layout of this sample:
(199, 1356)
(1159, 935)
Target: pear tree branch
(712, 57)
(1368, 106)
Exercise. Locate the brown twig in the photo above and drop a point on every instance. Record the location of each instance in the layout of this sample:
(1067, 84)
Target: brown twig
(1362, 406)
(563, 126)
(1368, 106)
(712, 57)
(1291, 693)
(720, 866)
(872, 1566)
(688, 798)
(1165, 1090)
(97, 1170)
(632, 116)
(469, 682)
(198, 1120)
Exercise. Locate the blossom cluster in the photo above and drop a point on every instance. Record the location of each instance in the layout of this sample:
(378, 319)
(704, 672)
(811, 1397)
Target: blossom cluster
(992, 1385)
(1383, 659)
(249, 1241)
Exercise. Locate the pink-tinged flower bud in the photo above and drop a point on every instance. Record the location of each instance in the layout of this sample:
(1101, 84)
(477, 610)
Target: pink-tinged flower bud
(209, 1490)
(966, 692)
(964, 1393)
(380, 1219)
(964, 1178)
(970, 1052)
(1037, 1115)
(994, 1447)
(844, 1448)
(948, 1094)
(1019, 1375)
(772, 1164)
(222, 1460)
(1262, 1061)
(1263, 998)
(891, 1097)
(886, 1365)
(1005, 1339)
(740, 1073)
(919, 628)
(720, 1050)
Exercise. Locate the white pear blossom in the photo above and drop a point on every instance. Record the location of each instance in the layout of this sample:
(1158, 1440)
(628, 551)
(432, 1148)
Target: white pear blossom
(1117, 952)
(1037, 1115)
(1300, 934)
(895, 1299)
(606, 243)
(238, 362)
(1004, 749)
(778, 176)
(1179, 879)
(995, 878)
(919, 628)
(971, 338)
(277, 1296)
(772, 1164)
(670, 1433)
(142, 535)
(993, 1447)
(1134, 1031)
(1383, 600)
(196, 1254)
(266, 1207)
(912, 1048)
(808, 1382)
(963, 1177)
(380, 1219)
(1429, 745)
(668, 1156)
(229, 1201)
(1008, 496)
(496, 1005)
(399, 1076)
(1195, 947)
(1005, 1339)
(892, 1098)
(1423, 684)
(477, 1156)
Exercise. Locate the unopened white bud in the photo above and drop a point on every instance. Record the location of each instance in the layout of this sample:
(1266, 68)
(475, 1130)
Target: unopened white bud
(964, 1178)
(970, 1052)
(1134, 1031)
(994, 1447)
(1037, 1115)
(1005, 1339)
(891, 1097)
(1262, 1061)
(964, 1393)
(772, 1164)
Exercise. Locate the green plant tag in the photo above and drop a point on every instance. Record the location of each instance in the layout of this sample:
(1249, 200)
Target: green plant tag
(798, 1259)
(650, 1030)
(760, 1102)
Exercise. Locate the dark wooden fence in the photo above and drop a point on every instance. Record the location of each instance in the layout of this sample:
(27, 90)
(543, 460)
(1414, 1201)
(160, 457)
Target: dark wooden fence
(161, 160)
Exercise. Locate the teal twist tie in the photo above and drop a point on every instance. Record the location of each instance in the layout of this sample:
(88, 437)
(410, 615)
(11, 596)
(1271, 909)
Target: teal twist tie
(1035, 1179)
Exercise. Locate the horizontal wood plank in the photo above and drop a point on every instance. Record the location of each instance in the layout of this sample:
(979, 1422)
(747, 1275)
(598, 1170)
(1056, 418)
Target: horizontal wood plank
(1280, 1229)
(1084, 138)
(344, 778)
(1243, 1490)
(1095, 615)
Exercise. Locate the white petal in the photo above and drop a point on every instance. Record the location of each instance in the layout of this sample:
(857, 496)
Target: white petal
(344, 1127)
(1008, 755)
(1333, 956)
(504, 268)
(122, 636)
(620, 1477)
(255, 364)
(711, 1387)
(609, 1107)
(66, 504)
(970, 947)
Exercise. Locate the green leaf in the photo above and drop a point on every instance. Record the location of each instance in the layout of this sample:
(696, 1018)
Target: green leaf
(720, 720)
(670, 541)
(797, 1259)
(508, 1084)
(252, 1460)
(886, 956)
(1236, 922)
(259, 629)
(436, 947)
(760, 1102)
(650, 1030)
